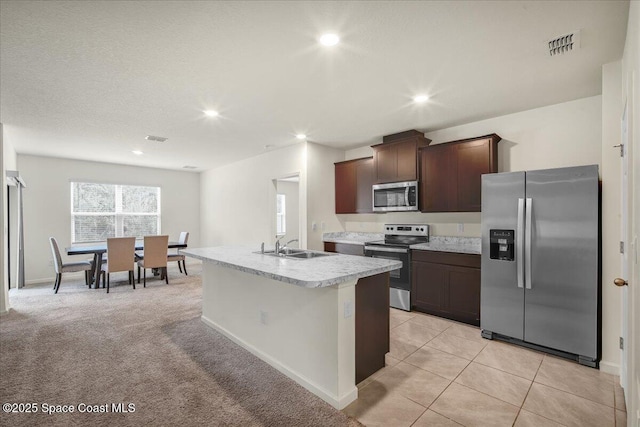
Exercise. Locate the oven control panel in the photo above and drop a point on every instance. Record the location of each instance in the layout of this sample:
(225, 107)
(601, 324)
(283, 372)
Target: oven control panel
(407, 229)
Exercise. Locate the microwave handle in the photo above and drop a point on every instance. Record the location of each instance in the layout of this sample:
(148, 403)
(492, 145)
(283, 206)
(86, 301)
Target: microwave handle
(406, 197)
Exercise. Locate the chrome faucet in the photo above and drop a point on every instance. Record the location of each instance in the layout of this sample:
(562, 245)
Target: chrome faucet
(286, 245)
(278, 243)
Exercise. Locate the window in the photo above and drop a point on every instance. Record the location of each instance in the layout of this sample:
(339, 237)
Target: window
(281, 217)
(99, 211)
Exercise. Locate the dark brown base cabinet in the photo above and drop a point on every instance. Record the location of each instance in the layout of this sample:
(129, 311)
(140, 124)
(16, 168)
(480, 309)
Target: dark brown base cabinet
(344, 248)
(372, 324)
(446, 284)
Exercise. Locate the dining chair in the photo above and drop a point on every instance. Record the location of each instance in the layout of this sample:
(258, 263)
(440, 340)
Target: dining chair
(121, 257)
(68, 267)
(154, 256)
(175, 256)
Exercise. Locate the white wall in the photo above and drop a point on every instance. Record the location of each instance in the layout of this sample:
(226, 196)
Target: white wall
(611, 188)
(47, 202)
(321, 193)
(566, 134)
(238, 199)
(9, 162)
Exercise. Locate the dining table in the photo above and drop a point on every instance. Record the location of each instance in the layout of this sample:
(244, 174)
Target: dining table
(98, 249)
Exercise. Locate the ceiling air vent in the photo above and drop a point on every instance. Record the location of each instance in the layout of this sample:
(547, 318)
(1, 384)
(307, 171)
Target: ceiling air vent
(564, 44)
(189, 167)
(155, 138)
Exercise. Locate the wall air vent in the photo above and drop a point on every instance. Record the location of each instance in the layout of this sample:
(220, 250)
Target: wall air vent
(189, 167)
(155, 138)
(564, 44)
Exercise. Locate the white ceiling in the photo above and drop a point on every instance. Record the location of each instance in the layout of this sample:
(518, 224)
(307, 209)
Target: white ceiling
(89, 80)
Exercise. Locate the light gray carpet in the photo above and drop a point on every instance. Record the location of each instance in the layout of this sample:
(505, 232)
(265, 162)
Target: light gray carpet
(147, 347)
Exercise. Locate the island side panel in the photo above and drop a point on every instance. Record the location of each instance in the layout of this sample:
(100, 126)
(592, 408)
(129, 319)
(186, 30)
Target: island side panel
(372, 324)
(300, 331)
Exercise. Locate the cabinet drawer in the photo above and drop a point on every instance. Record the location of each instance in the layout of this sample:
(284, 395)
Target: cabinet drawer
(448, 258)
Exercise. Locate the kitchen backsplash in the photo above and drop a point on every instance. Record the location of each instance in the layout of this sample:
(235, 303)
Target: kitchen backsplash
(436, 229)
(442, 224)
(356, 236)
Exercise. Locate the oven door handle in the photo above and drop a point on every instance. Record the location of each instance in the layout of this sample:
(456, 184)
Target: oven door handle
(385, 249)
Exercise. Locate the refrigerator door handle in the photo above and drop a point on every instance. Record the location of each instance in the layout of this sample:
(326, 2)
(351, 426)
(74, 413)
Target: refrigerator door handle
(520, 244)
(527, 243)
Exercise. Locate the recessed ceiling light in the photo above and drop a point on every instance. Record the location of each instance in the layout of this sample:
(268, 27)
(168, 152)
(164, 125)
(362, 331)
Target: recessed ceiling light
(329, 39)
(301, 136)
(211, 113)
(420, 98)
(137, 152)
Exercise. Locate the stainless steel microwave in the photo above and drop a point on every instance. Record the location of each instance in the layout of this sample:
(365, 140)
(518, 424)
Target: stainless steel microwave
(395, 197)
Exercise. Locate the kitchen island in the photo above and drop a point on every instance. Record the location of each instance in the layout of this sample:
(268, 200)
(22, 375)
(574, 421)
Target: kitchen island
(302, 316)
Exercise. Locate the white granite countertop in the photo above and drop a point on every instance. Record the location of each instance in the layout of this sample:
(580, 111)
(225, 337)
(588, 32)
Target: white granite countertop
(310, 273)
(352, 237)
(463, 245)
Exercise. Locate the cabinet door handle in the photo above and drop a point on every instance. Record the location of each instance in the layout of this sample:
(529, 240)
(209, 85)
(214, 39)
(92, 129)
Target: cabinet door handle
(520, 244)
(527, 242)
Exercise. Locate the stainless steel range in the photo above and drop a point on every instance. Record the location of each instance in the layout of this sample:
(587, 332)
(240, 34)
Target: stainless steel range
(397, 239)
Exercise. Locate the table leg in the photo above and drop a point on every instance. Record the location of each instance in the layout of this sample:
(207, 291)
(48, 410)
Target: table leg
(97, 270)
(92, 272)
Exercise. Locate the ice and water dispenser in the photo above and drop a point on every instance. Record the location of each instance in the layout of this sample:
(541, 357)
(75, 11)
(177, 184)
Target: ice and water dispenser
(501, 244)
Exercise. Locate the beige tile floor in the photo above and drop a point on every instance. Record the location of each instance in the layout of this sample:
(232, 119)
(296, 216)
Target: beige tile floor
(442, 373)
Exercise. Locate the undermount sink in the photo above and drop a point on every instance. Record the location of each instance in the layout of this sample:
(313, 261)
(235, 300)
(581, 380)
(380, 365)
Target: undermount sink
(307, 254)
(296, 254)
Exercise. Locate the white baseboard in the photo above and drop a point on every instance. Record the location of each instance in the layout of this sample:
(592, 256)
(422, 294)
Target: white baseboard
(44, 280)
(80, 274)
(338, 402)
(610, 368)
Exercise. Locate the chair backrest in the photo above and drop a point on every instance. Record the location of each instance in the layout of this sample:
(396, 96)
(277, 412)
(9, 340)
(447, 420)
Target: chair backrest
(155, 251)
(184, 237)
(57, 259)
(120, 253)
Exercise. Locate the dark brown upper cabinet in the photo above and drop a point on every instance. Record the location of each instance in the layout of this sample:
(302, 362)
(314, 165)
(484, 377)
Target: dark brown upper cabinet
(396, 159)
(450, 173)
(354, 179)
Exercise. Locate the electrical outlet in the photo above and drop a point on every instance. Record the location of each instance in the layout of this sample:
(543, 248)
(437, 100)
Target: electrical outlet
(314, 226)
(460, 227)
(348, 309)
(264, 317)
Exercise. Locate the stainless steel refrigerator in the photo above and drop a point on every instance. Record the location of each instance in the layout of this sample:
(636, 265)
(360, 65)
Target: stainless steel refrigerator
(541, 260)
